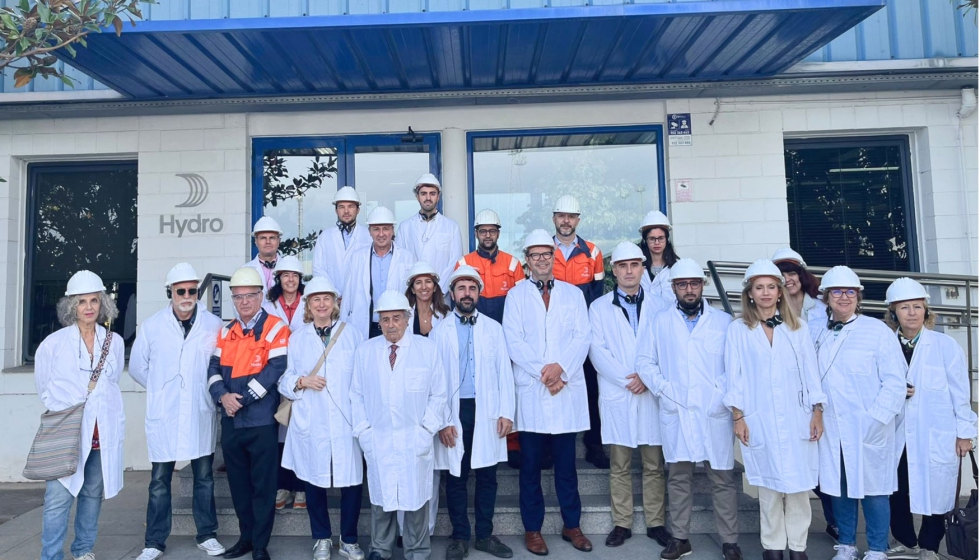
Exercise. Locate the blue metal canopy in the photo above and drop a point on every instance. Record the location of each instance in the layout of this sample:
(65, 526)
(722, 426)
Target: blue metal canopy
(465, 50)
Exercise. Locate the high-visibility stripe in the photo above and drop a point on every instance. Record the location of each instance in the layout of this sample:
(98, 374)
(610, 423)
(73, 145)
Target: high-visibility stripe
(213, 379)
(600, 276)
(514, 263)
(276, 352)
(217, 351)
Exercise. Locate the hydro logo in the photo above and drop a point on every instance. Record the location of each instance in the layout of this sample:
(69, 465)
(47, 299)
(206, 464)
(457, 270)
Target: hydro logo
(196, 195)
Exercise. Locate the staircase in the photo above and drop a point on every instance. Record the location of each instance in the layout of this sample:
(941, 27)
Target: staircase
(593, 487)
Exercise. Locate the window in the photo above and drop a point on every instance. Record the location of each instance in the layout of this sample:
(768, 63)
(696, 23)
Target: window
(79, 216)
(850, 202)
(616, 174)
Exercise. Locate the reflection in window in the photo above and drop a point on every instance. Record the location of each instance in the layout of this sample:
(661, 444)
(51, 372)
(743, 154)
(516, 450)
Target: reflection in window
(614, 175)
(80, 216)
(386, 175)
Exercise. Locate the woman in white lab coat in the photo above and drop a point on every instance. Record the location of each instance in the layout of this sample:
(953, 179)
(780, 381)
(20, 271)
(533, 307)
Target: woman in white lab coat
(863, 374)
(63, 365)
(777, 406)
(659, 253)
(801, 285)
(938, 426)
(320, 447)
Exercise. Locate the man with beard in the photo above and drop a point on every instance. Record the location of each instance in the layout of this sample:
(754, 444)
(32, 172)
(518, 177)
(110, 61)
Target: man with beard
(681, 360)
(335, 244)
(478, 375)
(430, 236)
(579, 262)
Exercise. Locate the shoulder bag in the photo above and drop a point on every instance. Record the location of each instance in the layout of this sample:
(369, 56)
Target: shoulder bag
(961, 523)
(285, 409)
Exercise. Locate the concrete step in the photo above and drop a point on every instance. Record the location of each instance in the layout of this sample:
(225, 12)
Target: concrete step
(596, 519)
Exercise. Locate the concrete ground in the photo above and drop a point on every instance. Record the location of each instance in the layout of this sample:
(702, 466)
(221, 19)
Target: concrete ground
(122, 523)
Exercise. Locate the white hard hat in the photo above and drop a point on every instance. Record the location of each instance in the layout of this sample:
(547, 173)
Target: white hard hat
(346, 194)
(266, 223)
(627, 251)
(567, 204)
(320, 285)
(289, 263)
(539, 238)
(421, 268)
(381, 216)
(466, 271)
(428, 180)
(392, 300)
(84, 282)
(246, 276)
(787, 254)
(486, 218)
(840, 277)
(686, 268)
(904, 289)
(762, 267)
(181, 272)
(654, 218)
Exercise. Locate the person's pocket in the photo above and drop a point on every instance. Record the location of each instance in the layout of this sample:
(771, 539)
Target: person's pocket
(416, 380)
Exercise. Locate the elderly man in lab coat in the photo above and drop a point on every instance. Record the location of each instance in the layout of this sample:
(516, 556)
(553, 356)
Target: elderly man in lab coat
(266, 234)
(630, 415)
(683, 362)
(429, 235)
(398, 406)
(170, 358)
(335, 243)
(479, 377)
(546, 325)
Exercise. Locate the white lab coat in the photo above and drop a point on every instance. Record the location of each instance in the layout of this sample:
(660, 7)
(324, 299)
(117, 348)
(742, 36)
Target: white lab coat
(775, 386)
(355, 306)
(437, 242)
(181, 418)
(266, 274)
(537, 337)
(320, 446)
(494, 380)
(329, 253)
(395, 414)
(687, 372)
(660, 287)
(275, 309)
(61, 376)
(937, 414)
(862, 370)
(813, 310)
(627, 419)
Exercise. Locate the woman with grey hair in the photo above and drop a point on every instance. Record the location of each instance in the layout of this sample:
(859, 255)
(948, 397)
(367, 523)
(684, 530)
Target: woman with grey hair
(64, 364)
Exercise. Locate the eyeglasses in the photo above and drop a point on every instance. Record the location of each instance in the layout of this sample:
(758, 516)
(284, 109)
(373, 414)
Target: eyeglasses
(238, 298)
(185, 291)
(693, 284)
(658, 240)
(487, 231)
(540, 256)
(838, 293)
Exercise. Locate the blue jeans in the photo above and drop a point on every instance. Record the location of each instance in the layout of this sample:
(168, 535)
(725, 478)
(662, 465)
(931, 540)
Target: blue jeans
(562, 447)
(57, 507)
(877, 514)
(350, 512)
(159, 512)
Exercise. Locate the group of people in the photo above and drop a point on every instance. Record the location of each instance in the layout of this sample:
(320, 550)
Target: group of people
(413, 359)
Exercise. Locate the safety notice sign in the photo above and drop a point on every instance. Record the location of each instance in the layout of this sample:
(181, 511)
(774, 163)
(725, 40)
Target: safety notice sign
(679, 129)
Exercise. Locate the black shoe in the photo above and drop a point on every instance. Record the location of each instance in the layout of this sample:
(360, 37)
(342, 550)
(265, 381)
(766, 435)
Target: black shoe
(676, 548)
(375, 555)
(457, 550)
(514, 459)
(618, 536)
(240, 549)
(493, 546)
(659, 534)
(834, 532)
(772, 554)
(260, 554)
(731, 551)
(597, 456)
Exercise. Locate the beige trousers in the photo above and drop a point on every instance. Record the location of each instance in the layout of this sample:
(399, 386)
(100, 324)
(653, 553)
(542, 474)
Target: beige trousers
(621, 485)
(785, 519)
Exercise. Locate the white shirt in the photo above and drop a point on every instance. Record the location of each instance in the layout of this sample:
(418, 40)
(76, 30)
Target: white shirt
(437, 242)
(330, 251)
(355, 306)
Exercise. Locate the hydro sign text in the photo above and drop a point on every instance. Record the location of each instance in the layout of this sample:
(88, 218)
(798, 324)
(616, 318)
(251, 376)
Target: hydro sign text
(197, 224)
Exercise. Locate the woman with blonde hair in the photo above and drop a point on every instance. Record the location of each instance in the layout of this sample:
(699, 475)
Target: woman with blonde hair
(777, 407)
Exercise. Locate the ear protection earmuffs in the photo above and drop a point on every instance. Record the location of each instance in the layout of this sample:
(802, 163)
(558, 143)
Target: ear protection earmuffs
(170, 293)
(541, 284)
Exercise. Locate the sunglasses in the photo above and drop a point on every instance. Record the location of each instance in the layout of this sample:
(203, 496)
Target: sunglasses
(186, 291)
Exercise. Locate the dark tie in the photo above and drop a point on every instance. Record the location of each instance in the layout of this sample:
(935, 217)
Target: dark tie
(391, 356)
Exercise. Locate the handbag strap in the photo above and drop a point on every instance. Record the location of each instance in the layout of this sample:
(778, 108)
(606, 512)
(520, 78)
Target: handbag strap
(98, 369)
(326, 350)
(959, 477)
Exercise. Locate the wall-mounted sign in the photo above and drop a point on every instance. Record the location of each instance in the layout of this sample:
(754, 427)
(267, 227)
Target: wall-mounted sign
(679, 129)
(197, 193)
(216, 297)
(683, 190)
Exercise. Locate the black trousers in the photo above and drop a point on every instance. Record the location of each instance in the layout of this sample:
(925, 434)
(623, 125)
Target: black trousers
(250, 458)
(593, 437)
(933, 526)
(485, 496)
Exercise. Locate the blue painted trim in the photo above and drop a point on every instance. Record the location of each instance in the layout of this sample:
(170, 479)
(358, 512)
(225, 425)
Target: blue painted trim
(471, 136)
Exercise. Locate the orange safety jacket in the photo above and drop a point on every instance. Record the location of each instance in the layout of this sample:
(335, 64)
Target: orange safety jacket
(500, 272)
(584, 268)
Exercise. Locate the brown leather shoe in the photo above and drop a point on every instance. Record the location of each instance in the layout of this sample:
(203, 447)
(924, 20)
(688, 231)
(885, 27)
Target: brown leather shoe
(577, 539)
(535, 544)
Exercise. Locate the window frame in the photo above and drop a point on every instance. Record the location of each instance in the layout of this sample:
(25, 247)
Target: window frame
(472, 136)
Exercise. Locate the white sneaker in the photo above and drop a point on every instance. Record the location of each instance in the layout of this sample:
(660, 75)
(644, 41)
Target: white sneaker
(321, 549)
(899, 551)
(212, 547)
(926, 554)
(300, 501)
(150, 554)
(873, 555)
(845, 552)
(282, 498)
(351, 551)
(86, 556)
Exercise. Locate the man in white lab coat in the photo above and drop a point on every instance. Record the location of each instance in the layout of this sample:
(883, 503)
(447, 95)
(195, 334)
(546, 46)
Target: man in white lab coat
(479, 377)
(335, 243)
(546, 325)
(266, 234)
(630, 415)
(170, 359)
(372, 269)
(429, 235)
(682, 361)
(398, 406)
